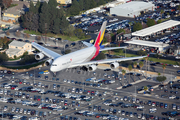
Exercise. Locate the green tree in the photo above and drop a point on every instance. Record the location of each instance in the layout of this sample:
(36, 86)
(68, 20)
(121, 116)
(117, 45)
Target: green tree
(150, 22)
(56, 29)
(141, 64)
(120, 31)
(53, 3)
(15, 57)
(129, 68)
(79, 33)
(32, 7)
(141, 52)
(135, 66)
(162, 11)
(137, 26)
(74, 9)
(92, 4)
(123, 73)
(159, 21)
(67, 51)
(157, 55)
(164, 67)
(161, 78)
(44, 18)
(86, 4)
(81, 5)
(38, 7)
(3, 57)
(145, 88)
(100, 56)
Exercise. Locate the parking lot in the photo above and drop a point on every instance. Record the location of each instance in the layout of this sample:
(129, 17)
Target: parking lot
(46, 96)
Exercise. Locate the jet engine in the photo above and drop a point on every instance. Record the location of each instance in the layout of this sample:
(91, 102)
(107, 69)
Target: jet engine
(48, 62)
(39, 56)
(92, 67)
(114, 65)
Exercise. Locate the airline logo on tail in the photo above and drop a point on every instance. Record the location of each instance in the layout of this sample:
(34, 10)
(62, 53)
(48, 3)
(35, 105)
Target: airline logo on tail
(100, 35)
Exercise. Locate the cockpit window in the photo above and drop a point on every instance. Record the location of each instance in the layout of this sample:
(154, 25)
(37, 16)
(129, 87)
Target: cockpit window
(54, 64)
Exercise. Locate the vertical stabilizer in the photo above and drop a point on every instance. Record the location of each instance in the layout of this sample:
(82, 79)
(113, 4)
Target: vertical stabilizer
(100, 34)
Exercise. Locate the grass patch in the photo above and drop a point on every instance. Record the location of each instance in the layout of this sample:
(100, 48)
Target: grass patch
(12, 5)
(151, 59)
(25, 67)
(64, 37)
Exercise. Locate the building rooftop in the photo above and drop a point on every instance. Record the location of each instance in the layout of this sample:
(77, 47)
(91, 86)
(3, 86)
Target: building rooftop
(17, 43)
(12, 51)
(135, 5)
(156, 28)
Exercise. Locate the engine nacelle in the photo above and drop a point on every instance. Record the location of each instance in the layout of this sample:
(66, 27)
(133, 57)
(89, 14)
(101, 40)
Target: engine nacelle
(92, 67)
(114, 65)
(48, 62)
(39, 56)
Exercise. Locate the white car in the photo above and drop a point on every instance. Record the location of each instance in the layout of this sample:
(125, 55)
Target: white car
(177, 57)
(172, 97)
(32, 34)
(175, 65)
(52, 38)
(46, 72)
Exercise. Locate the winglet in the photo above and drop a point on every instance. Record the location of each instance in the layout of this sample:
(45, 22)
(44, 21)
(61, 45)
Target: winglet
(100, 34)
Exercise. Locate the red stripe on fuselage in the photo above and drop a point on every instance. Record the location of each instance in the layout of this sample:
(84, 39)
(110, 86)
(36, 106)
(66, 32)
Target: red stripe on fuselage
(98, 40)
(96, 53)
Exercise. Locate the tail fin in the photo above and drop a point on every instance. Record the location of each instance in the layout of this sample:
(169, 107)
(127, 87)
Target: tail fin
(100, 34)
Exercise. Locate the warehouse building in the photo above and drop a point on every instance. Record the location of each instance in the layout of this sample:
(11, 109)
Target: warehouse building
(132, 9)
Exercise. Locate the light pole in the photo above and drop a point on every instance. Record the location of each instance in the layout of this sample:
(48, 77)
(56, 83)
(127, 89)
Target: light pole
(34, 76)
(135, 92)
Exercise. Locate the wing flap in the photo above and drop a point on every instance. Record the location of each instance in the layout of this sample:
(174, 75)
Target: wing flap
(106, 61)
(87, 44)
(111, 48)
(45, 51)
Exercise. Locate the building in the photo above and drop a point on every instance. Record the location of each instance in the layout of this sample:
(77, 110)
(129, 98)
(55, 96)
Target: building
(17, 48)
(132, 9)
(13, 13)
(64, 1)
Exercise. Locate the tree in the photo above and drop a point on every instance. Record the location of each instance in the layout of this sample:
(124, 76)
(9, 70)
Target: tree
(145, 88)
(159, 21)
(146, 58)
(7, 33)
(137, 26)
(26, 35)
(150, 22)
(157, 55)
(121, 31)
(141, 64)
(67, 51)
(129, 68)
(92, 4)
(134, 65)
(141, 52)
(81, 5)
(38, 37)
(6, 3)
(123, 73)
(164, 67)
(53, 3)
(3, 57)
(100, 56)
(161, 78)
(44, 18)
(56, 26)
(74, 9)
(17, 33)
(38, 7)
(162, 11)
(32, 7)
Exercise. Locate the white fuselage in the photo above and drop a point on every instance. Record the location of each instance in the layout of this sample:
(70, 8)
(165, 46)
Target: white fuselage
(66, 61)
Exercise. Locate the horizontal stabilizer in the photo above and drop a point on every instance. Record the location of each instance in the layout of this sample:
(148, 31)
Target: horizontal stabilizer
(87, 44)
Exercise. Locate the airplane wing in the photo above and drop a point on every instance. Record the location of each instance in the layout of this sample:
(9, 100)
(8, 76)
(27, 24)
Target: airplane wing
(45, 51)
(87, 44)
(111, 48)
(106, 61)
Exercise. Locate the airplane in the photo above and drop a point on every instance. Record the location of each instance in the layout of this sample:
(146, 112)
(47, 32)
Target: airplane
(81, 57)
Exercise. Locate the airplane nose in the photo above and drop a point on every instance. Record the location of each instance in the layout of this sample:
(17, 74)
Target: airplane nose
(51, 69)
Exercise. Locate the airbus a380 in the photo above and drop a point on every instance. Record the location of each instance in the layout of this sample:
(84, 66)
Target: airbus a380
(81, 57)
